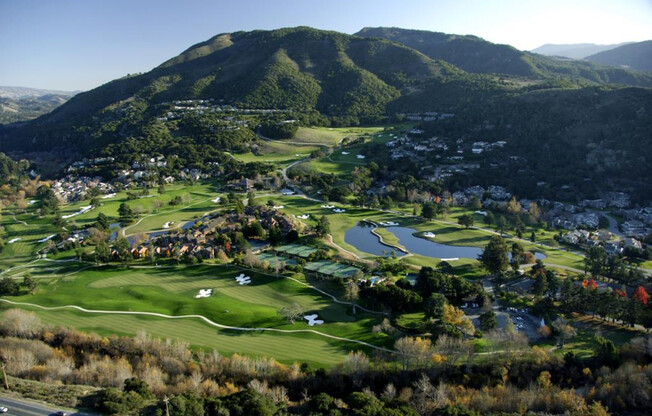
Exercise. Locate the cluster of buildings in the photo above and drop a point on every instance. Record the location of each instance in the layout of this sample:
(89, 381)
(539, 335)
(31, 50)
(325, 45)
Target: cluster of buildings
(426, 116)
(177, 109)
(71, 188)
(198, 238)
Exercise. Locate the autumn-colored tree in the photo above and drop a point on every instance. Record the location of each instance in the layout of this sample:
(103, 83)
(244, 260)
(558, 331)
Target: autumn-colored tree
(641, 295)
(456, 316)
(590, 284)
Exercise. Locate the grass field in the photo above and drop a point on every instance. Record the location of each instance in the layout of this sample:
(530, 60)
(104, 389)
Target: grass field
(171, 291)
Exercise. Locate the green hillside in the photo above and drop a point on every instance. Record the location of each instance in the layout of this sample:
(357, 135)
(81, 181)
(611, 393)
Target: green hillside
(474, 54)
(636, 56)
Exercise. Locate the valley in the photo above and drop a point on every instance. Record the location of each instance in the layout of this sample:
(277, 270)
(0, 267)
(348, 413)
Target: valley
(312, 222)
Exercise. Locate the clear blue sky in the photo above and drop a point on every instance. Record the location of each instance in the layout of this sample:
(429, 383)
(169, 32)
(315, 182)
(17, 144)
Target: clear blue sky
(80, 44)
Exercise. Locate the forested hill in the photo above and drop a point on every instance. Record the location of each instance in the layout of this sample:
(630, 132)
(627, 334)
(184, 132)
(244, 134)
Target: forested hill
(634, 56)
(474, 54)
(314, 76)
(304, 69)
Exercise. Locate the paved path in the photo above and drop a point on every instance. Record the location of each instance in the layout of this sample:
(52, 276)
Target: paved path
(200, 317)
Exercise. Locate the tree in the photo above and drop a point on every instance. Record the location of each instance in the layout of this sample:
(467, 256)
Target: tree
(251, 199)
(540, 285)
(323, 226)
(30, 284)
(351, 292)
(534, 212)
(641, 295)
(428, 211)
(564, 330)
(516, 252)
(102, 222)
(455, 316)
(502, 223)
(8, 286)
(275, 236)
(465, 220)
(513, 206)
(475, 203)
(291, 313)
(594, 260)
(434, 306)
(126, 213)
(488, 321)
(239, 206)
(161, 189)
(494, 256)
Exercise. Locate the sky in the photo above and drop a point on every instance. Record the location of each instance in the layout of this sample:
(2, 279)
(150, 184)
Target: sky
(81, 44)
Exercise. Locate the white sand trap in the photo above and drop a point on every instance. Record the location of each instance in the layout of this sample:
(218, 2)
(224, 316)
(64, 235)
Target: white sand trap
(204, 293)
(43, 240)
(339, 210)
(388, 224)
(451, 259)
(168, 224)
(278, 206)
(32, 202)
(217, 199)
(242, 279)
(483, 213)
(303, 217)
(312, 319)
(13, 240)
(360, 156)
(81, 211)
(328, 206)
(107, 196)
(429, 234)
(345, 153)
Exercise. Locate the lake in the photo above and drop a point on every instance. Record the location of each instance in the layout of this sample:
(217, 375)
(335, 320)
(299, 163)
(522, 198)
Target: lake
(363, 239)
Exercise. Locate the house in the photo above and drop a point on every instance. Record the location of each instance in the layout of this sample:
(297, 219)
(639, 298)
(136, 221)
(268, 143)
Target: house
(613, 249)
(633, 243)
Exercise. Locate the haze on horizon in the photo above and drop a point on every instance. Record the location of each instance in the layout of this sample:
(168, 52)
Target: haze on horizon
(79, 45)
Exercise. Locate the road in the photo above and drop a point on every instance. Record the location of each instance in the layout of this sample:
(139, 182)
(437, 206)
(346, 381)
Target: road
(23, 407)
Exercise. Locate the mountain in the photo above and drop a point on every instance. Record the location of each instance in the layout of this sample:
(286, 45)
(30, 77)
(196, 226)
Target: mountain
(636, 56)
(341, 76)
(209, 99)
(574, 50)
(477, 55)
(13, 110)
(17, 93)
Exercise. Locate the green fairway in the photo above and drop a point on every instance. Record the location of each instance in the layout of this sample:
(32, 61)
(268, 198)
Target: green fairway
(277, 152)
(171, 291)
(286, 348)
(331, 135)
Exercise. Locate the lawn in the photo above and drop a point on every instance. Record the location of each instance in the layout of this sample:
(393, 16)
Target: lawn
(171, 291)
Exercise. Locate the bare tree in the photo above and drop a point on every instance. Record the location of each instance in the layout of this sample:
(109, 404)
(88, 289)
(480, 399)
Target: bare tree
(291, 313)
(351, 292)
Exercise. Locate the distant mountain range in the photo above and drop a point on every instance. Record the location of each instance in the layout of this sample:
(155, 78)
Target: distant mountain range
(17, 93)
(574, 50)
(636, 56)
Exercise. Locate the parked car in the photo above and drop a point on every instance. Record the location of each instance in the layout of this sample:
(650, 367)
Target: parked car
(61, 413)
(3, 409)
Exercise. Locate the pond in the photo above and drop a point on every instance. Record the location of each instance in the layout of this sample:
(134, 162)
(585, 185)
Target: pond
(363, 239)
